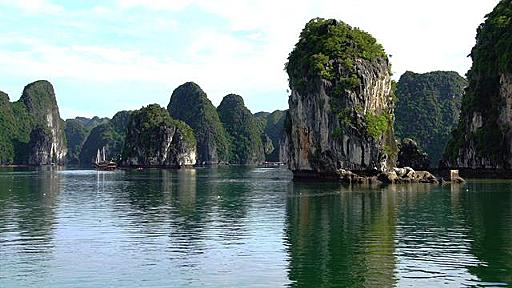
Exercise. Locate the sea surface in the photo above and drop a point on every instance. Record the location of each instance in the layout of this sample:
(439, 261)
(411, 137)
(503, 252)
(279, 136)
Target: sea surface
(248, 227)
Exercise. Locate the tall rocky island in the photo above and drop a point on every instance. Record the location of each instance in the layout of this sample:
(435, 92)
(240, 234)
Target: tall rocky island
(154, 139)
(483, 138)
(341, 102)
(246, 146)
(428, 109)
(190, 104)
(31, 130)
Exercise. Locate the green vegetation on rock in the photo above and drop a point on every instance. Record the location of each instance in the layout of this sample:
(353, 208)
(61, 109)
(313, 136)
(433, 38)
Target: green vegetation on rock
(8, 128)
(190, 104)
(110, 134)
(329, 49)
(76, 134)
(326, 47)
(492, 58)
(272, 126)
(90, 123)
(342, 100)
(377, 124)
(150, 120)
(155, 139)
(245, 141)
(428, 109)
(36, 108)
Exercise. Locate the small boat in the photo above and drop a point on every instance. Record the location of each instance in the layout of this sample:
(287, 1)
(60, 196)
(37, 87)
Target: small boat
(271, 164)
(101, 162)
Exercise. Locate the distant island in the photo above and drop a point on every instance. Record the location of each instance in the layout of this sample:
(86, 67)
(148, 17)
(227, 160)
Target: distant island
(347, 118)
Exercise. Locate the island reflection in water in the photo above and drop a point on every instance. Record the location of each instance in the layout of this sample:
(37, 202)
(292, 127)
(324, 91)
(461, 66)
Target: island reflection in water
(247, 227)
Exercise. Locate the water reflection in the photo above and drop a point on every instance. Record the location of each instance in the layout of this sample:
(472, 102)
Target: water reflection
(27, 220)
(239, 226)
(340, 239)
(489, 215)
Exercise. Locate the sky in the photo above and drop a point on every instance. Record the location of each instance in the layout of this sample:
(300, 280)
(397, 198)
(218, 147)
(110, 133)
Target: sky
(112, 55)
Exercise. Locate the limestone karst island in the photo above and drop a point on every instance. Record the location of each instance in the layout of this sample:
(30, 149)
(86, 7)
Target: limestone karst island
(195, 144)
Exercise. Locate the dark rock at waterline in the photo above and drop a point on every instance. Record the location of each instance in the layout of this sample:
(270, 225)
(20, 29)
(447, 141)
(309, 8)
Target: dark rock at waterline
(411, 155)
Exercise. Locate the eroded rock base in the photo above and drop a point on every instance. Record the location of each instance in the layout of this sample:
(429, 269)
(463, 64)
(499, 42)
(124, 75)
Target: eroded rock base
(396, 176)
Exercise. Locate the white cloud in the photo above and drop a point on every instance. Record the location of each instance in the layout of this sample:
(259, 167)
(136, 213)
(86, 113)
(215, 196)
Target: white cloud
(34, 6)
(248, 57)
(155, 4)
(101, 10)
(421, 35)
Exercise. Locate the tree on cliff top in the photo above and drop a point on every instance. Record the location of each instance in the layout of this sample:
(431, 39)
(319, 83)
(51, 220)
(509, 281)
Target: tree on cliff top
(321, 42)
(190, 104)
(246, 145)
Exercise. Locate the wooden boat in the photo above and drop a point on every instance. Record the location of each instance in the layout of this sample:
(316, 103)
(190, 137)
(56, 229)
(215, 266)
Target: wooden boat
(101, 162)
(271, 164)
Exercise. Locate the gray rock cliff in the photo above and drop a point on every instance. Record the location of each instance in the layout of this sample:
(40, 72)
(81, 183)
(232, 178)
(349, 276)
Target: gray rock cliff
(47, 143)
(341, 103)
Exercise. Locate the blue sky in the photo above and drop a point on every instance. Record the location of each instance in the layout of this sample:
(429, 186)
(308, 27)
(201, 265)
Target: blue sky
(112, 55)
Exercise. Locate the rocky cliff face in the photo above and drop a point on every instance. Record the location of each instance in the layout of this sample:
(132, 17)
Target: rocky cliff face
(154, 139)
(41, 105)
(428, 109)
(190, 104)
(41, 147)
(341, 102)
(39, 98)
(35, 115)
(483, 138)
(271, 126)
(245, 137)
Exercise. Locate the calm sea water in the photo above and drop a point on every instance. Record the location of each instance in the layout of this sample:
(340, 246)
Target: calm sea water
(247, 227)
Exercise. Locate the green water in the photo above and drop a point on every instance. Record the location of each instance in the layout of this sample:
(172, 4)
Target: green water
(248, 227)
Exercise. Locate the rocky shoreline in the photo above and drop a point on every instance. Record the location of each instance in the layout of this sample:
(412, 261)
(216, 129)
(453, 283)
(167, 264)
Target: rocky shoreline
(404, 175)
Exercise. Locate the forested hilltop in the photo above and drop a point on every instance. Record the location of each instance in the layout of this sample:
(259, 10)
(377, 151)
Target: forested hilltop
(483, 138)
(31, 130)
(190, 104)
(428, 109)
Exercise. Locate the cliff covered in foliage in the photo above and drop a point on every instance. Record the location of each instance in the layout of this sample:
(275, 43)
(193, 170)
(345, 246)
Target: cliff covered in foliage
(341, 104)
(31, 129)
(190, 104)
(111, 135)
(245, 138)
(483, 138)
(271, 126)
(428, 109)
(154, 139)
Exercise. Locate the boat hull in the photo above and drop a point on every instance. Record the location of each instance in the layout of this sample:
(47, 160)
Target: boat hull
(107, 166)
